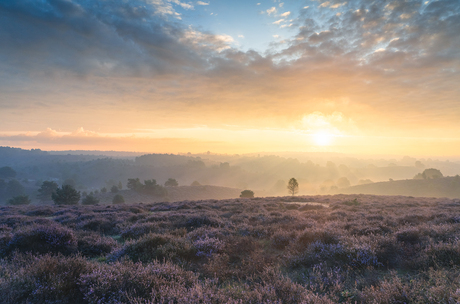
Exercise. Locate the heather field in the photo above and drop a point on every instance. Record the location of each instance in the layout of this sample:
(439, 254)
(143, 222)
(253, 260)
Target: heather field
(306, 249)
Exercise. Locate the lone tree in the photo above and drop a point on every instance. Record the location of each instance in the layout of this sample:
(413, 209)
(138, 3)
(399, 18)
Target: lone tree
(432, 173)
(247, 193)
(67, 195)
(293, 186)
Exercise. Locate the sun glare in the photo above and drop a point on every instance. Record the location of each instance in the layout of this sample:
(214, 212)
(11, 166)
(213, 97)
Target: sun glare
(322, 138)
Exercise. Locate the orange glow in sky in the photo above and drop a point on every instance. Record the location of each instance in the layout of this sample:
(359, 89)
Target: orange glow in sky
(368, 77)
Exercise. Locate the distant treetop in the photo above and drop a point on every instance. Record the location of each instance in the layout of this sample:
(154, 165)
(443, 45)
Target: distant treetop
(7, 172)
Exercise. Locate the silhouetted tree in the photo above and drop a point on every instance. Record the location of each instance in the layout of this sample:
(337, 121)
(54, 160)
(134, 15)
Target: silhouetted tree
(114, 189)
(70, 182)
(293, 186)
(118, 199)
(151, 187)
(7, 172)
(171, 182)
(120, 186)
(90, 200)
(432, 173)
(247, 193)
(134, 184)
(47, 188)
(103, 190)
(66, 195)
(343, 182)
(195, 183)
(19, 200)
(14, 188)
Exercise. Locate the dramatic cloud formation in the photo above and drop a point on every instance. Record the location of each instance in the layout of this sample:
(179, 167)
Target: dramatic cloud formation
(386, 68)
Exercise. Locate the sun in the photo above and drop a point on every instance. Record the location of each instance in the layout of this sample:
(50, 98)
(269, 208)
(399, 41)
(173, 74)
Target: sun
(322, 138)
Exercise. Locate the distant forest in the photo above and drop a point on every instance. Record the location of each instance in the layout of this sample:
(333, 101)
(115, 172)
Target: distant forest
(265, 174)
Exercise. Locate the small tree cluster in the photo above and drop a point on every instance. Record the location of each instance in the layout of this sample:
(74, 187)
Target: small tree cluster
(149, 187)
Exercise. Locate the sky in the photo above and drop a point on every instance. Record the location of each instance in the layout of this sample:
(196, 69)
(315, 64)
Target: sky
(231, 76)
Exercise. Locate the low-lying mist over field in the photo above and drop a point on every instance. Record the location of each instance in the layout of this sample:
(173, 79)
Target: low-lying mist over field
(218, 176)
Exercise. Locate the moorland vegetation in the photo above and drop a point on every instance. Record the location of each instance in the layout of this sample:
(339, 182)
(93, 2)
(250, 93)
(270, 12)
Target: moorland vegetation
(304, 249)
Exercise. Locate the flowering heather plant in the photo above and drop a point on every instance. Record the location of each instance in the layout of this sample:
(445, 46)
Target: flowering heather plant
(386, 250)
(43, 239)
(42, 279)
(207, 246)
(158, 247)
(92, 244)
(138, 230)
(100, 224)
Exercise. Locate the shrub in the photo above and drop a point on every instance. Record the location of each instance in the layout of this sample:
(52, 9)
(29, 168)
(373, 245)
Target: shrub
(103, 190)
(200, 221)
(93, 245)
(247, 193)
(19, 200)
(315, 235)
(99, 224)
(356, 257)
(118, 199)
(208, 246)
(125, 281)
(352, 203)
(409, 236)
(43, 239)
(171, 182)
(138, 230)
(158, 247)
(282, 238)
(90, 200)
(44, 279)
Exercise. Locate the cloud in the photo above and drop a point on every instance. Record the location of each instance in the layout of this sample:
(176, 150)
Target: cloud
(271, 11)
(118, 65)
(279, 21)
(285, 14)
(182, 4)
(202, 3)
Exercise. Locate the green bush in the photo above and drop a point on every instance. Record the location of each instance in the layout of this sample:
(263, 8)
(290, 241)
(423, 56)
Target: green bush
(19, 200)
(118, 199)
(247, 193)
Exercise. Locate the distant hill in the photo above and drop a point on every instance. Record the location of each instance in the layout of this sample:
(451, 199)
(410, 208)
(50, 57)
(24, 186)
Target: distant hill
(441, 187)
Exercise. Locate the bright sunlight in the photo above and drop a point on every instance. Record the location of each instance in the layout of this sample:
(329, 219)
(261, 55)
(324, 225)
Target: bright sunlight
(322, 138)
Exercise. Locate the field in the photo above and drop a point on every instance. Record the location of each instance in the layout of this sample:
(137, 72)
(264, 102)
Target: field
(306, 249)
